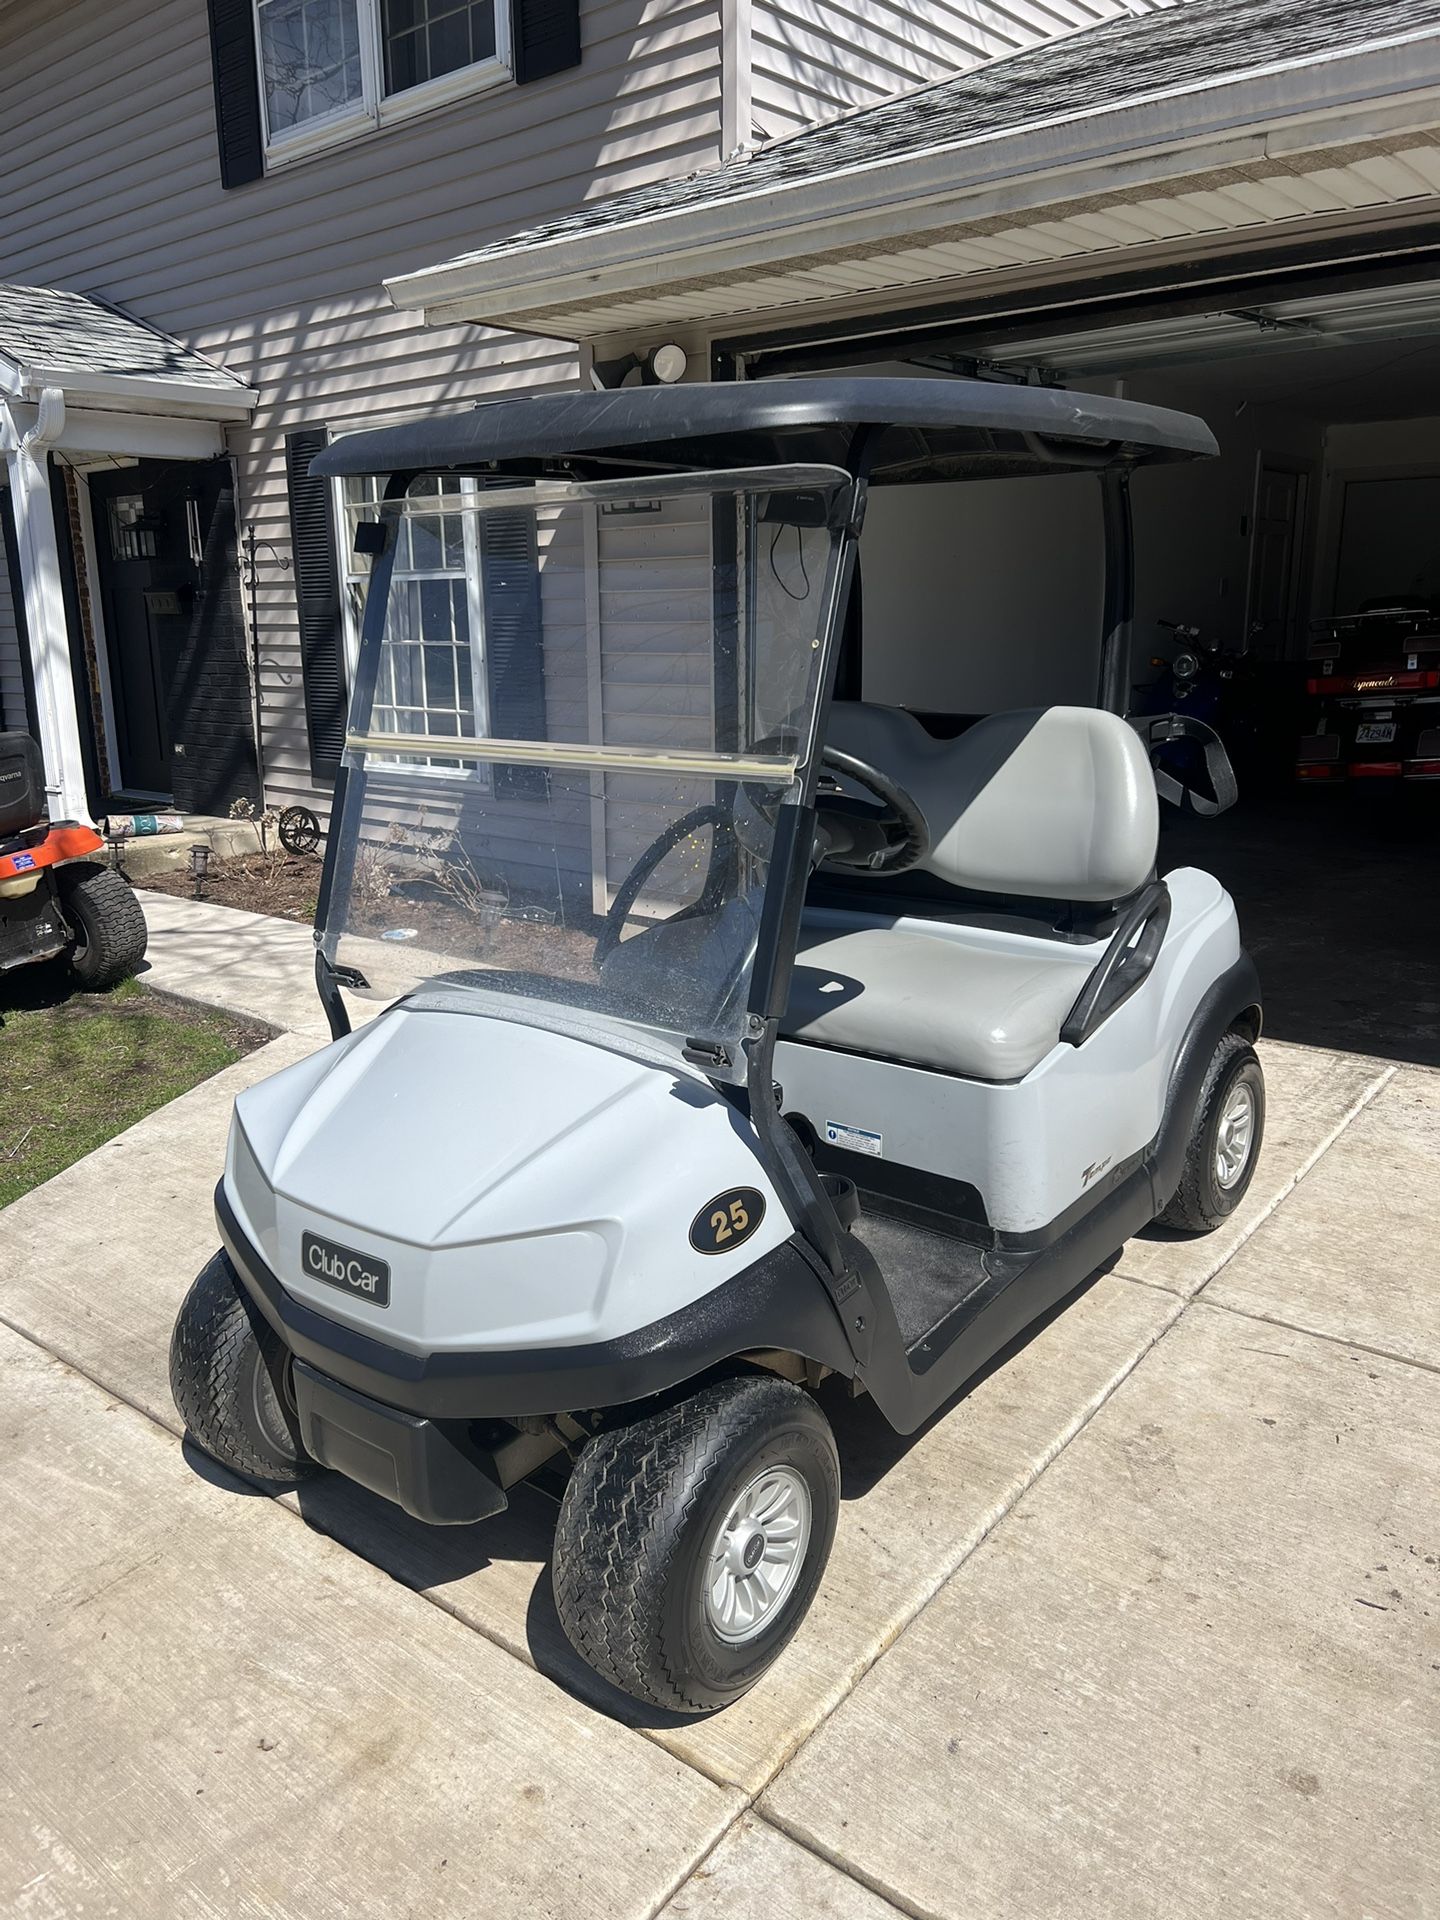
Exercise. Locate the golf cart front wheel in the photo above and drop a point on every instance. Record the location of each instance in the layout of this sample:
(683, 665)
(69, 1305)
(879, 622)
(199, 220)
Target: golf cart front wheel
(1224, 1142)
(691, 1542)
(106, 922)
(229, 1376)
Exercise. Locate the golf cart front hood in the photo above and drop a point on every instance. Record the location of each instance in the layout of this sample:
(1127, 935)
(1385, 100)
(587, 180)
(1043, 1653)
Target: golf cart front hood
(520, 1187)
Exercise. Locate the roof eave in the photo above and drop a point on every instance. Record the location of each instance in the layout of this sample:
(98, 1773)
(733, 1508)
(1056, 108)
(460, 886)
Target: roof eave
(131, 393)
(1289, 108)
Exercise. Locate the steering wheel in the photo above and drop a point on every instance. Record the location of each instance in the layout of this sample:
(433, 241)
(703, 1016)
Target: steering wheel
(892, 840)
(628, 892)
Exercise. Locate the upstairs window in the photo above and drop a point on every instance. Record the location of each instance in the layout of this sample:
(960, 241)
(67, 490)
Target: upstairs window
(424, 39)
(332, 68)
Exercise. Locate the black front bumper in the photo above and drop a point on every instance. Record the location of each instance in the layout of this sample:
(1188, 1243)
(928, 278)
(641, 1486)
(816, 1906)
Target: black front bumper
(780, 1301)
(432, 1469)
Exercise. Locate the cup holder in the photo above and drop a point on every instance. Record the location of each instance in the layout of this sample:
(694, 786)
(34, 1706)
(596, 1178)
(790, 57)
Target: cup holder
(844, 1197)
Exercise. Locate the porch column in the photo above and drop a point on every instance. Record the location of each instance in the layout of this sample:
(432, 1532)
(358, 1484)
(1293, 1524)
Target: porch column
(39, 558)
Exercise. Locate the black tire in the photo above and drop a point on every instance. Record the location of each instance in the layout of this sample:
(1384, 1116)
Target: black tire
(228, 1377)
(106, 920)
(1203, 1200)
(643, 1511)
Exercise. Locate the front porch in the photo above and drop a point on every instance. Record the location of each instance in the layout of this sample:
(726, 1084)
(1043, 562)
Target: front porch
(123, 644)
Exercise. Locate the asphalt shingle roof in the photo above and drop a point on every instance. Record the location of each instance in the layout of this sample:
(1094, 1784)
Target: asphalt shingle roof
(1099, 67)
(75, 333)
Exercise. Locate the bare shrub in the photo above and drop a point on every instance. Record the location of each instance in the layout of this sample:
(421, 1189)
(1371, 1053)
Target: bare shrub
(266, 867)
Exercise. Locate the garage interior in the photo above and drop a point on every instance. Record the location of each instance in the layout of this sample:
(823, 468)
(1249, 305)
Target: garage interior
(1325, 401)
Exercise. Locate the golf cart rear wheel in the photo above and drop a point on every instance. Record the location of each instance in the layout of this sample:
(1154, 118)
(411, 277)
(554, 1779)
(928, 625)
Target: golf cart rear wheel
(1224, 1140)
(106, 921)
(691, 1543)
(229, 1376)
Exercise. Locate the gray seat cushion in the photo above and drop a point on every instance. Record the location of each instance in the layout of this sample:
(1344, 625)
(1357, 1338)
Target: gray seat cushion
(1050, 802)
(934, 1000)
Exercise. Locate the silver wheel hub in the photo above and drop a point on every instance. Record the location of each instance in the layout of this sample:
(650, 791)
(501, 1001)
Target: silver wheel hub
(1236, 1135)
(756, 1555)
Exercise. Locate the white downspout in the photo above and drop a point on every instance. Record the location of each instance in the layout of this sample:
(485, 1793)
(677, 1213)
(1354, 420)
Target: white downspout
(39, 558)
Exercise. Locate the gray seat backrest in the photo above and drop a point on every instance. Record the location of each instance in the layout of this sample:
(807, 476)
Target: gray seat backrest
(1054, 803)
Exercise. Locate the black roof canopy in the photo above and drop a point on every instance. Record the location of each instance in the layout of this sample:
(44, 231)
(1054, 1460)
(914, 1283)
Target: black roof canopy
(924, 430)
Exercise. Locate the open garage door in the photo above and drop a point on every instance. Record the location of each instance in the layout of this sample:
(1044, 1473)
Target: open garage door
(1301, 571)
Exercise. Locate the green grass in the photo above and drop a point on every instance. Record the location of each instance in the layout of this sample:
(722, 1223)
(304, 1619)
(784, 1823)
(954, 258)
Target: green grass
(78, 1068)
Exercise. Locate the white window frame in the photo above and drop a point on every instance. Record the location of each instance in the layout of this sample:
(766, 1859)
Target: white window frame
(351, 577)
(375, 108)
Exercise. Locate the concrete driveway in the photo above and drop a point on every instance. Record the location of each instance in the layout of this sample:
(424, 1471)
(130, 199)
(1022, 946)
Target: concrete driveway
(1147, 1623)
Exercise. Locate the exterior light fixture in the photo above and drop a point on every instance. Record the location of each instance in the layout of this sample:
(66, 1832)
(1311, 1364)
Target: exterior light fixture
(199, 865)
(665, 364)
(661, 366)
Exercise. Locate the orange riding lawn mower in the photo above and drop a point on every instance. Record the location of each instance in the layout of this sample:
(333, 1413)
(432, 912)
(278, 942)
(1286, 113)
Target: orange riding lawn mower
(55, 898)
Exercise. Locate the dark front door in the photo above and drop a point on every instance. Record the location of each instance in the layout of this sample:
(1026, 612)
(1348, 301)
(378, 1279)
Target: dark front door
(165, 536)
(147, 583)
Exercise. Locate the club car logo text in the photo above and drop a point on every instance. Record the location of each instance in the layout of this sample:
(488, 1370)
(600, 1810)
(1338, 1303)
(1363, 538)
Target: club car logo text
(343, 1267)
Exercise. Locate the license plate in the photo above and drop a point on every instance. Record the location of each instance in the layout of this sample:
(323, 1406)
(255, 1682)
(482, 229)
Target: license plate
(358, 1273)
(1375, 733)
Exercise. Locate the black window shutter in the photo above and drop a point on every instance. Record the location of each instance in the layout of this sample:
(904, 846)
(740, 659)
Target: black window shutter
(317, 595)
(237, 92)
(546, 37)
(514, 656)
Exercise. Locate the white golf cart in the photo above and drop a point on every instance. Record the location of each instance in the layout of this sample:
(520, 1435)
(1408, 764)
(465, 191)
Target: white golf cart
(743, 1036)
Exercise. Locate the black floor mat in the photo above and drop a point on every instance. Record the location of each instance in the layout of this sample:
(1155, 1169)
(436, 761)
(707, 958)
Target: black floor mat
(928, 1274)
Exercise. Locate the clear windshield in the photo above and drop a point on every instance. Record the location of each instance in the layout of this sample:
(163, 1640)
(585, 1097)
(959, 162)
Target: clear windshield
(576, 710)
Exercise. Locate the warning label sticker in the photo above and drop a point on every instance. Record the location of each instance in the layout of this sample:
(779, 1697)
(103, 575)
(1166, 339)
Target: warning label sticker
(855, 1139)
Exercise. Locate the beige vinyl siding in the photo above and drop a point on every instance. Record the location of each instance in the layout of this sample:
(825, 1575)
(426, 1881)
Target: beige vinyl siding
(112, 187)
(12, 684)
(813, 59)
(656, 674)
(564, 620)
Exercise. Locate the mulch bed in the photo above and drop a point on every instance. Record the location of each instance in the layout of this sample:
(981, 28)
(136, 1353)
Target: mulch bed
(287, 886)
(442, 926)
(284, 884)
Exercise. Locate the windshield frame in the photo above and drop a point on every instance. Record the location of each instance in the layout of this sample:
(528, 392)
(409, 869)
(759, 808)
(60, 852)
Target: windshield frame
(789, 773)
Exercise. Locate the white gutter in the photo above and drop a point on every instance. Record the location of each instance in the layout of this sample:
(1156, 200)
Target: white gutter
(132, 392)
(1287, 109)
(137, 436)
(149, 394)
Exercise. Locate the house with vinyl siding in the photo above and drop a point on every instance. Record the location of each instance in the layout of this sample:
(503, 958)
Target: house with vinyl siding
(202, 205)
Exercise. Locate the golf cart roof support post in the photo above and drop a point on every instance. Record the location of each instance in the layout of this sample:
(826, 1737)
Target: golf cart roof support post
(1118, 619)
(784, 902)
(339, 864)
(328, 988)
(791, 1170)
(779, 930)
